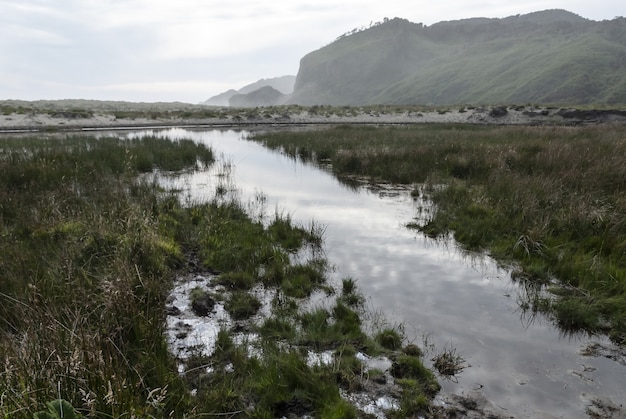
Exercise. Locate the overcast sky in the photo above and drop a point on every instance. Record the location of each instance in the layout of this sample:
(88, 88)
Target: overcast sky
(190, 50)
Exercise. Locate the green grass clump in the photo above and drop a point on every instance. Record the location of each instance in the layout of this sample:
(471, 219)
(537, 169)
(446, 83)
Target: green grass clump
(324, 329)
(291, 237)
(389, 339)
(414, 402)
(349, 370)
(289, 385)
(237, 280)
(547, 199)
(411, 367)
(278, 329)
(241, 305)
(315, 326)
(348, 324)
(349, 294)
(248, 247)
(301, 280)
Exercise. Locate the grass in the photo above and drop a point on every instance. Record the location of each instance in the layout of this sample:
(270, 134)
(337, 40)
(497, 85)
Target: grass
(242, 305)
(448, 363)
(389, 338)
(547, 199)
(91, 249)
(86, 268)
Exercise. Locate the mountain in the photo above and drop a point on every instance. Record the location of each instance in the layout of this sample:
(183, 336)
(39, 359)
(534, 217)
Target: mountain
(550, 57)
(283, 85)
(221, 99)
(265, 96)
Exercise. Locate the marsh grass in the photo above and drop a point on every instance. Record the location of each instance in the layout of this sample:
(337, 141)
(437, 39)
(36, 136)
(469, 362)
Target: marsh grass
(324, 328)
(350, 295)
(549, 199)
(90, 251)
(389, 338)
(85, 271)
(448, 363)
(242, 305)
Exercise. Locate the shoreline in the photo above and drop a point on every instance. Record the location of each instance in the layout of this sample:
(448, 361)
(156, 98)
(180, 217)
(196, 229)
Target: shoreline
(36, 119)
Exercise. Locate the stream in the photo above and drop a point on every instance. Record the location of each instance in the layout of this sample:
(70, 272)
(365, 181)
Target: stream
(441, 296)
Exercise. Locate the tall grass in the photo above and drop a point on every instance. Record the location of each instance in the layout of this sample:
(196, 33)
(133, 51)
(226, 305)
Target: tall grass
(85, 267)
(90, 249)
(551, 199)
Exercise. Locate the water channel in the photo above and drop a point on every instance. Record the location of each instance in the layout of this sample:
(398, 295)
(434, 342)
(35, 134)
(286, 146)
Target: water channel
(523, 365)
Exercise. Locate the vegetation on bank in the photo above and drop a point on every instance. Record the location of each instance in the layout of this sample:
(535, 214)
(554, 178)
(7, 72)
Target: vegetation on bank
(79, 109)
(550, 199)
(76, 109)
(73, 115)
(90, 249)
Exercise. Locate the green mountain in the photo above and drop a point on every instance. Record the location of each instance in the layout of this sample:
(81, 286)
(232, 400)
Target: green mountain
(549, 57)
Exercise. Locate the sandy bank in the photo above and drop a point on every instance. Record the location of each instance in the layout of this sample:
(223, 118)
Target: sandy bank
(38, 119)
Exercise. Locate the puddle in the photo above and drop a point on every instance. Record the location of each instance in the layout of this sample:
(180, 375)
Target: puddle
(191, 334)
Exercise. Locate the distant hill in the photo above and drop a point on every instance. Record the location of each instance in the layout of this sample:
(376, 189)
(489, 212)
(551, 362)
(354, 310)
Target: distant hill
(221, 99)
(550, 57)
(264, 96)
(283, 85)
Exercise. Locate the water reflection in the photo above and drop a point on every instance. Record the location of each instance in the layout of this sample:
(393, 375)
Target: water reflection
(516, 357)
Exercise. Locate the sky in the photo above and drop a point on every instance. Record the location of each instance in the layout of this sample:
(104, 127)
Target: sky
(190, 50)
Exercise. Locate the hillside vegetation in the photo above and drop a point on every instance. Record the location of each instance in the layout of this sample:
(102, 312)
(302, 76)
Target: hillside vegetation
(550, 57)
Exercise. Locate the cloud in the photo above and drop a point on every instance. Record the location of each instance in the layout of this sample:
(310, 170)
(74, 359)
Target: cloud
(169, 86)
(30, 8)
(20, 34)
(137, 44)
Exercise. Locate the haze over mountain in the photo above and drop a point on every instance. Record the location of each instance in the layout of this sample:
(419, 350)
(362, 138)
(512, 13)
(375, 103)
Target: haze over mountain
(280, 88)
(265, 96)
(552, 56)
(547, 57)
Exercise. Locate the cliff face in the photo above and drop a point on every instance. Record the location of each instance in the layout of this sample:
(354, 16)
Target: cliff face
(552, 57)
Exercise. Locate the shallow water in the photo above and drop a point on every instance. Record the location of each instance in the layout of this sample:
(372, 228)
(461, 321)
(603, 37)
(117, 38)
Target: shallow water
(524, 366)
